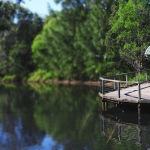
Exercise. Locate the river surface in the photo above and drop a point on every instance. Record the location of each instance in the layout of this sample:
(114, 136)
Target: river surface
(40, 117)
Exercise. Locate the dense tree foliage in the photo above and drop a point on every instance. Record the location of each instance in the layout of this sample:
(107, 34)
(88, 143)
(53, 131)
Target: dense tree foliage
(76, 37)
(17, 32)
(129, 28)
(84, 40)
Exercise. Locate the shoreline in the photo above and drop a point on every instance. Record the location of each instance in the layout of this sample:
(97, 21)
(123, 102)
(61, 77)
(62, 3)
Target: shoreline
(75, 82)
(51, 82)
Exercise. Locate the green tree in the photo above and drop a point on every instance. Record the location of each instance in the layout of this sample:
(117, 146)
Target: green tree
(57, 51)
(71, 40)
(129, 32)
(15, 43)
(7, 12)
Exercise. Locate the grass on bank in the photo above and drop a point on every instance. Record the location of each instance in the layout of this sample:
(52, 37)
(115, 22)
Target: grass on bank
(42, 76)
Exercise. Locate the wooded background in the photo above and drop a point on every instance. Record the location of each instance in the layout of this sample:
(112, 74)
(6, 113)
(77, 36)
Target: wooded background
(85, 40)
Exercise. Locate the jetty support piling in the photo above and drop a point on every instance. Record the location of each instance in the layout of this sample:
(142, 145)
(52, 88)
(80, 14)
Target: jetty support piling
(139, 113)
(104, 105)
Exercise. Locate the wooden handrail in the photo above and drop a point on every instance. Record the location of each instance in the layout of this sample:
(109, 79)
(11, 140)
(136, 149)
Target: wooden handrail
(126, 73)
(103, 79)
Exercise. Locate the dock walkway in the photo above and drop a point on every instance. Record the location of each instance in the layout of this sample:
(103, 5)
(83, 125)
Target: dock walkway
(118, 88)
(130, 94)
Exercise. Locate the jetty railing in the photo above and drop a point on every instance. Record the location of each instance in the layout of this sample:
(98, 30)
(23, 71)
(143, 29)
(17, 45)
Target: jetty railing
(123, 80)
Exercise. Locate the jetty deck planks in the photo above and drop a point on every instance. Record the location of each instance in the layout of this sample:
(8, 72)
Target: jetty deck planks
(129, 94)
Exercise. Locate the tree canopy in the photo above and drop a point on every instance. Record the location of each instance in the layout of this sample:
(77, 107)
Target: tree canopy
(130, 26)
(83, 41)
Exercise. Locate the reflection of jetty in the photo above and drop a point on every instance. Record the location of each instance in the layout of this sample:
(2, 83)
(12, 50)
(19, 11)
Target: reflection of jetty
(119, 88)
(118, 131)
(114, 128)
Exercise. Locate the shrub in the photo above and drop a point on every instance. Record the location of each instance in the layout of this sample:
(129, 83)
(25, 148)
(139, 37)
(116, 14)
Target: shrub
(39, 76)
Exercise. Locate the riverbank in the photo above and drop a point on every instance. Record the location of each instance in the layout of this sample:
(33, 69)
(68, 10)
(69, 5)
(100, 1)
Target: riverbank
(73, 82)
(50, 82)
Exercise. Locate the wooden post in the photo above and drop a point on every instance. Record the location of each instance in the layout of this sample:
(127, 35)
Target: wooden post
(146, 76)
(103, 105)
(106, 105)
(126, 80)
(119, 132)
(100, 86)
(139, 91)
(139, 112)
(137, 77)
(103, 87)
(114, 83)
(118, 89)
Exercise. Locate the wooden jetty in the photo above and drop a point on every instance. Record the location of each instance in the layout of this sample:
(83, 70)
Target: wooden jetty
(134, 94)
(120, 89)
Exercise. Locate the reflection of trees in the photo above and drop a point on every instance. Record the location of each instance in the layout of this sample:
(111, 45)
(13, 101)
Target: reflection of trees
(18, 102)
(17, 127)
(67, 113)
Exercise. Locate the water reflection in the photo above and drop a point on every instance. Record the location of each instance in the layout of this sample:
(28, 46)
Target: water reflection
(57, 118)
(124, 129)
(18, 138)
(47, 143)
(12, 134)
(67, 118)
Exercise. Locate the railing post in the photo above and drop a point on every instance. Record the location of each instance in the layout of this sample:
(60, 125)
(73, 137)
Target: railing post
(146, 76)
(114, 83)
(118, 84)
(126, 80)
(139, 91)
(100, 86)
(136, 76)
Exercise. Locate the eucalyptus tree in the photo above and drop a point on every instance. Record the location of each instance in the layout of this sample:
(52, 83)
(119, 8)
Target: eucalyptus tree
(50, 47)
(59, 53)
(98, 22)
(71, 40)
(64, 43)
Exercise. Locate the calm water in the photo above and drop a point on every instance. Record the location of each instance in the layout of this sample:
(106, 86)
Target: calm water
(39, 117)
